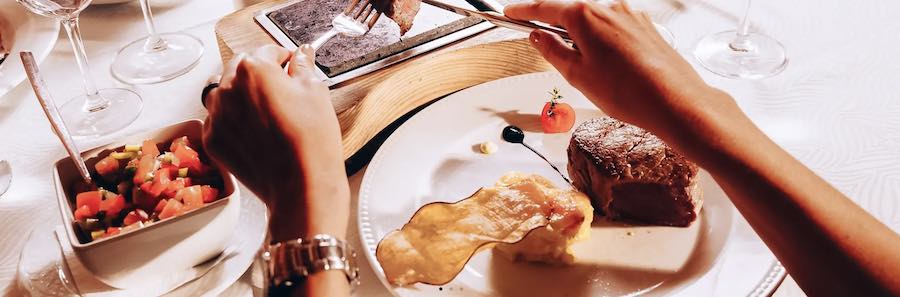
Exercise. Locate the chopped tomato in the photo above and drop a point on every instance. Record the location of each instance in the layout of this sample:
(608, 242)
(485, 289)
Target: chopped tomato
(149, 149)
(173, 208)
(145, 167)
(557, 117)
(176, 185)
(209, 193)
(84, 212)
(160, 206)
(189, 158)
(113, 206)
(113, 231)
(108, 167)
(90, 199)
(161, 181)
(173, 170)
(150, 187)
(142, 198)
(181, 141)
(135, 216)
(191, 196)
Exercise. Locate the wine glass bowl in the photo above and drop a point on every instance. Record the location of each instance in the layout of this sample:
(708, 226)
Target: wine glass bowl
(98, 111)
(59, 9)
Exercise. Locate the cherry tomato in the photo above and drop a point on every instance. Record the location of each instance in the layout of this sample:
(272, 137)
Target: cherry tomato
(557, 117)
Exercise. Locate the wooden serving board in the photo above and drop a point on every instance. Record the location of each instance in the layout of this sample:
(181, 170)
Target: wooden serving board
(368, 104)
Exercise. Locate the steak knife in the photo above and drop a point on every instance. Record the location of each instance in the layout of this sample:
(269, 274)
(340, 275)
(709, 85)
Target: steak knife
(499, 19)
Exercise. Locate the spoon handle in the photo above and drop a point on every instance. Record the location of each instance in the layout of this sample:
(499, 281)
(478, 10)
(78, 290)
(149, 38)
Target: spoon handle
(59, 127)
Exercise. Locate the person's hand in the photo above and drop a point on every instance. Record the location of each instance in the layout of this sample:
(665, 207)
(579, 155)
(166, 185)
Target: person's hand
(622, 64)
(278, 134)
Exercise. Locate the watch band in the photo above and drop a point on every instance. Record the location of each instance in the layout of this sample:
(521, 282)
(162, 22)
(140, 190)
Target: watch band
(291, 261)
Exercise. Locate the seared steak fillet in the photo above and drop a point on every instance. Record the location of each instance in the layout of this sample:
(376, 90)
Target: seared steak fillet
(631, 174)
(403, 12)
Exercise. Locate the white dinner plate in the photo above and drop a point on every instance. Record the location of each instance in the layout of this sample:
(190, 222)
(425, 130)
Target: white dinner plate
(433, 157)
(37, 271)
(22, 30)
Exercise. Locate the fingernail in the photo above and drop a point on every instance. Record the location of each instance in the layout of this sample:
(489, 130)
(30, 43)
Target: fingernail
(535, 37)
(299, 52)
(306, 48)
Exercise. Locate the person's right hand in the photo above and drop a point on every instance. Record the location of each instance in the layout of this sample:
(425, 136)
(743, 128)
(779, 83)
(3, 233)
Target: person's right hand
(278, 134)
(622, 64)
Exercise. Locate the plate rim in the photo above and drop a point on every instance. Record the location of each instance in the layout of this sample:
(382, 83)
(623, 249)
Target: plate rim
(36, 22)
(765, 287)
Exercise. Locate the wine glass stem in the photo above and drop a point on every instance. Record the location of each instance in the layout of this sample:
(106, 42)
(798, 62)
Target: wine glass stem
(154, 42)
(94, 101)
(741, 42)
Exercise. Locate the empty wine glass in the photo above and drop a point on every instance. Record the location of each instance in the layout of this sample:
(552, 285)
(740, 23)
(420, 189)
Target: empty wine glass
(98, 111)
(158, 57)
(741, 53)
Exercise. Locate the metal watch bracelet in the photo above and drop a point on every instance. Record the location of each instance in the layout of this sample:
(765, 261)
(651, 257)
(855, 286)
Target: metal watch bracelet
(292, 261)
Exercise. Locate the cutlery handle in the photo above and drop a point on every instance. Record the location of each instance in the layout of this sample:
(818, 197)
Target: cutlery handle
(319, 42)
(59, 127)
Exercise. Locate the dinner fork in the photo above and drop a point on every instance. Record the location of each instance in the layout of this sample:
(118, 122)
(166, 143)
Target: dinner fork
(356, 20)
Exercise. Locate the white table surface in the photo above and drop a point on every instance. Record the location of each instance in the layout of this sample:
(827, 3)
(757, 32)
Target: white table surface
(836, 107)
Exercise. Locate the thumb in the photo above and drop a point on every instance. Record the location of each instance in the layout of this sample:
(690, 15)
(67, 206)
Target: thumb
(555, 50)
(303, 63)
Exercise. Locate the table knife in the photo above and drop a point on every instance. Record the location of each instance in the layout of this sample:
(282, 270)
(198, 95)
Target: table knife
(498, 19)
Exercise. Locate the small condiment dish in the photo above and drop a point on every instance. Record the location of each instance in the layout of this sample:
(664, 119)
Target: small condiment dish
(161, 248)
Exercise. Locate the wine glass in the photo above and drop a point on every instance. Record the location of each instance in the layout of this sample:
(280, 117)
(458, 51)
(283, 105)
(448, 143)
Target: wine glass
(98, 111)
(741, 53)
(158, 57)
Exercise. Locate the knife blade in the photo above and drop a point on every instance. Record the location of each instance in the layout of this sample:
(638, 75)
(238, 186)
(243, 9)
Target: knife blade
(498, 19)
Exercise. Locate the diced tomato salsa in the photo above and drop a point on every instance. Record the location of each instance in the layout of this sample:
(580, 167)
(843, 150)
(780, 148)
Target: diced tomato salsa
(139, 185)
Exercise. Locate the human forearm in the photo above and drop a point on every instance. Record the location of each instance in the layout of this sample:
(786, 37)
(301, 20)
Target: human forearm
(829, 244)
(320, 218)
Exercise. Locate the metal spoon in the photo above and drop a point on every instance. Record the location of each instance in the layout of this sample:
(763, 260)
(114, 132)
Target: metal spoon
(513, 134)
(43, 96)
(5, 176)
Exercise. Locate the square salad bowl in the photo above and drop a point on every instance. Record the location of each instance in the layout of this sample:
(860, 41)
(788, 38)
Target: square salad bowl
(159, 248)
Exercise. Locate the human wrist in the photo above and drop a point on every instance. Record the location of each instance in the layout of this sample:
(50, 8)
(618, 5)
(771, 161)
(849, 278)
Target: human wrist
(321, 208)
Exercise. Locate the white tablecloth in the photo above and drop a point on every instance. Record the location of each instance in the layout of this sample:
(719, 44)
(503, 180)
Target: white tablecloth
(836, 107)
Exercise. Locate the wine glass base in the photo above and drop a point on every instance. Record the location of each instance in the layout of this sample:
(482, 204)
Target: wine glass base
(123, 108)
(42, 270)
(134, 65)
(760, 56)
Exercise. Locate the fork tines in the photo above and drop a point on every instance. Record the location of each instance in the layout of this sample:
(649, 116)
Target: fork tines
(361, 10)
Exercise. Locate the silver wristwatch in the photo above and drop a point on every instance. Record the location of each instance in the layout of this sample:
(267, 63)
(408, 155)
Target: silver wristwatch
(291, 261)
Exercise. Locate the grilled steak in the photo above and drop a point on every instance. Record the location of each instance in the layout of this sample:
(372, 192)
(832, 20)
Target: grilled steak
(403, 12)
(631, 174)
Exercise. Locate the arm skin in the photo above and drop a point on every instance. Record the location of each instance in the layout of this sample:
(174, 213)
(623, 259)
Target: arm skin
(831, 246)
(277, 132)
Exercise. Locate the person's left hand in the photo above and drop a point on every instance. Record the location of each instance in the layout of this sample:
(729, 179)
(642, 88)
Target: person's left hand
(278, 134)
